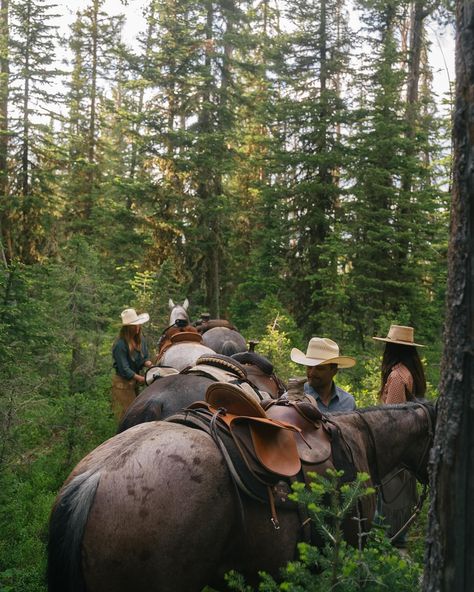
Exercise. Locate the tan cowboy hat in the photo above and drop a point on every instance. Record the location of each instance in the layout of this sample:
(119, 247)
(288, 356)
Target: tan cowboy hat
(321, 351)
(130, 317)
(400, 334)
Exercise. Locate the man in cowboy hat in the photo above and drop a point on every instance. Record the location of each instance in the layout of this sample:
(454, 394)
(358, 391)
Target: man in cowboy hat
(322, 361)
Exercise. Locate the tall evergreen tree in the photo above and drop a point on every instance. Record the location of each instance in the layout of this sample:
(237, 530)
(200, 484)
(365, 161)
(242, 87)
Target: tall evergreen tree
(94, 44)
(388, 234)
(32, 73)
(312, 111)
(6, 248)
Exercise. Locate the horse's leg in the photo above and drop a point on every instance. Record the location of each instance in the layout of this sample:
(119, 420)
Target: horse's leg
(161, 518)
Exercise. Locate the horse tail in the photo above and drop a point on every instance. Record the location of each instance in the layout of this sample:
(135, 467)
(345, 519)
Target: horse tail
(66, 530)
(229, 348)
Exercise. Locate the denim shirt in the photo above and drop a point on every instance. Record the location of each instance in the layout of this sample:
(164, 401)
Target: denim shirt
(340, 400)
(126, 363)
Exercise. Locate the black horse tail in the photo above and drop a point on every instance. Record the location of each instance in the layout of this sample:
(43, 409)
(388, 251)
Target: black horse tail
(66, 530)
(229, 348)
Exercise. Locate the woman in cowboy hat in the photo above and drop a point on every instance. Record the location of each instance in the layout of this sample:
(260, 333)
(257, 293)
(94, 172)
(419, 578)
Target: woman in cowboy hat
(130, 355)
(403, 379)
(322, 361)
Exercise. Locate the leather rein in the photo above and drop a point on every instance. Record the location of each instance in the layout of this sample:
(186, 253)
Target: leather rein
(379, 483)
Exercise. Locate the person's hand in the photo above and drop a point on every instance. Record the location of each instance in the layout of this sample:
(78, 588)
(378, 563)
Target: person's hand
(140, 379)
(148, 363)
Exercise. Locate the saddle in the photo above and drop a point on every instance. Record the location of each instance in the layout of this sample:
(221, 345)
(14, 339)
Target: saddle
(218, 368)
(314, 445)
(273, 441)
(185, 336)
(263, 442)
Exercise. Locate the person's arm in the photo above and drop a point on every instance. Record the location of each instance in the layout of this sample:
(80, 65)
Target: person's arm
(120, 355)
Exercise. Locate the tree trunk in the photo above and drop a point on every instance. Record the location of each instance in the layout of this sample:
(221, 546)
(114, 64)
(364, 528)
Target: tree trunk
(91, 155)
(5, 246)
(450, 543)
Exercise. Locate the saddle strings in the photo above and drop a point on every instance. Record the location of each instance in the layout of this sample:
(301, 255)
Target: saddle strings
(213, 429)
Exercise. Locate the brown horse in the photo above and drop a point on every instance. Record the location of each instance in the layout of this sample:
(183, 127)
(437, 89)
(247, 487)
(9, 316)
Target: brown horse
(154, 509)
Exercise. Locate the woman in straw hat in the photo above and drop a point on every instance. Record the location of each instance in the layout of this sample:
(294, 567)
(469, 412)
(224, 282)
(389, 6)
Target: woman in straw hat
(130, 355)
(403, 379)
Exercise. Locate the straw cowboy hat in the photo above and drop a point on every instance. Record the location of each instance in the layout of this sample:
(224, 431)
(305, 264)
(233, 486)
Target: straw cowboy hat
(321, 351)
(400, 334)
(130, 317)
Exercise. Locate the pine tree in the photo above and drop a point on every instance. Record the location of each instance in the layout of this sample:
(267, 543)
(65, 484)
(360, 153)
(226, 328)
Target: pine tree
(314, 58)
(391, 197)
(32, 72)
(94, 44)
(6, 247)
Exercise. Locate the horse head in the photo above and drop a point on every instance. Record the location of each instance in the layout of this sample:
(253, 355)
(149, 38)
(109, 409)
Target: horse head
(178, 311)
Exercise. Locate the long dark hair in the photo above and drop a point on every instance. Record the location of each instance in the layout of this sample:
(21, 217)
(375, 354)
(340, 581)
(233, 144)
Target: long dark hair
(131, 338)
(407, 355)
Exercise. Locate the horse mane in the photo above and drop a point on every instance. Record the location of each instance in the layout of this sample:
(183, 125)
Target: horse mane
(409, 405)
(67, 524)
(381, 411)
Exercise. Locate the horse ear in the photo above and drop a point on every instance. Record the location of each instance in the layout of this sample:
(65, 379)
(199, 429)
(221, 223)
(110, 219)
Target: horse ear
(186, 304)
(171, 303)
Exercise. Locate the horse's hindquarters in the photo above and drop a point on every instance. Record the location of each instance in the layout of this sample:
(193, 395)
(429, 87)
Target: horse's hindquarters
(160, 517)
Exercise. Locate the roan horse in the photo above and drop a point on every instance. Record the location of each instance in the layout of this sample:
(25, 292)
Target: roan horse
(154, 508)
(169, 394)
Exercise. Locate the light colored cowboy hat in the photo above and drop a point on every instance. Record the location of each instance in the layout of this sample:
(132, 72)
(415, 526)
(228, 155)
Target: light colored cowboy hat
(321, 351)
(400, 334)
(130, 317)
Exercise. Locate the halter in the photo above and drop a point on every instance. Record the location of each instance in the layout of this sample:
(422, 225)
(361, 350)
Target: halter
(379, 484)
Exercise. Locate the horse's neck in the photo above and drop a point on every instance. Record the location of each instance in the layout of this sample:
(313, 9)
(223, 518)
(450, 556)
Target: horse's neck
(394, 436)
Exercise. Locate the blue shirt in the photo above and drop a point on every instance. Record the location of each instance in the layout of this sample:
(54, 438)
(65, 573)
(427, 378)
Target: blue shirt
(127, 363)
(340, 400)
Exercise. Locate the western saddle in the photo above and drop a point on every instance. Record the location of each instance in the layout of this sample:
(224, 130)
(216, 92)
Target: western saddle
(266, 444)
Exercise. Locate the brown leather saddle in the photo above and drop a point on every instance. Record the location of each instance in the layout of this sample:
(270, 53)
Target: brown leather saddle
(274, 441)
(314, 443)
(185, 336)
